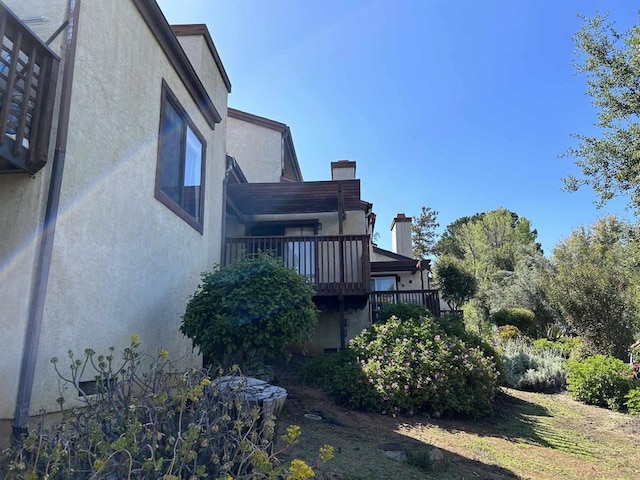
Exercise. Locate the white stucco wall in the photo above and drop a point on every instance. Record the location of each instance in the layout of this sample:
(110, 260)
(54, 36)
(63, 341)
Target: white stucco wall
(122, 262)
(257, 149)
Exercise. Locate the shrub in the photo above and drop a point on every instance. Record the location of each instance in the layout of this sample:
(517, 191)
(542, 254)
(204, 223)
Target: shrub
(508, 332)
(599, 380)
(565, 346)
(150, 423)
(632, 401)
(521, 318)
(410, 366)
(403, 311)
(530, 369)
(253, 308)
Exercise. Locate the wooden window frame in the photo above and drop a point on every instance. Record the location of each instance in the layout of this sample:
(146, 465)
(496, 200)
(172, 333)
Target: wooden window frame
(177, 207)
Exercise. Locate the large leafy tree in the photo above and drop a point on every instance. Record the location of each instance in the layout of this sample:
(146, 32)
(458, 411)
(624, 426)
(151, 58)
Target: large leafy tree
(488, 245)
(610, 161)
(593, 283)
(423, 233)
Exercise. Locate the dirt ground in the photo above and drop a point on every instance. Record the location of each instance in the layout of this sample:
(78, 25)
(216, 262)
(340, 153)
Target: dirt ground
(531, 436)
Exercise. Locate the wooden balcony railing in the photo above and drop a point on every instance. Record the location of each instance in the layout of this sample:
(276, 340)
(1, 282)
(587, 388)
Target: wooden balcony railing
(28, 75)
(427, 298)
(336, 264)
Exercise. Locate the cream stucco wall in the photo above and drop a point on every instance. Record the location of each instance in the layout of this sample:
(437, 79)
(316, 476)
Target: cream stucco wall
(354, 224)
(122, 262)
(22, 206)
(257, 149)
(327, 333)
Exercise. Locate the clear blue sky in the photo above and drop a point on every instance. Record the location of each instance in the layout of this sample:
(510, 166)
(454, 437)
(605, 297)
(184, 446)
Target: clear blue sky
(460, 105)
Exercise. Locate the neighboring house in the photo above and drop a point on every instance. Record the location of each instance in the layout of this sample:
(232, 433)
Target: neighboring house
(263, 148)
(323, 229)
(397, 277)
(113, 146)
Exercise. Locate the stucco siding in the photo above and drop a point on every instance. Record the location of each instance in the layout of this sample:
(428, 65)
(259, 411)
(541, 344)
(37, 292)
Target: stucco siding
(257, 149)
(122, 262)
(327, 333)
(22, 206)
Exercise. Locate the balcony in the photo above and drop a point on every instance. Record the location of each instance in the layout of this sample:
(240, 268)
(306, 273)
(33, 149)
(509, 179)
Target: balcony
(427, 298)
(28, 75)
(337, 265)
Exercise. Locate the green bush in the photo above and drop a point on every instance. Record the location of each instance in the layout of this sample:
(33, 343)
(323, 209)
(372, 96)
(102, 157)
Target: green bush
(252, 309)
(149, 423)
(632, 401)
(508, 332)
(521, 318)
(410, 366)
(530, 369)
(403, 311)
(565, 346)
(599, 380)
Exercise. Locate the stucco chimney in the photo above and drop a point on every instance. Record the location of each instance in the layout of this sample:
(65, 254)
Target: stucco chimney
(401, 235)
(343, 170)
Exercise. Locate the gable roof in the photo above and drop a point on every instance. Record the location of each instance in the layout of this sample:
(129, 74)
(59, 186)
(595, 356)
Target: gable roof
(157, 23)
(291, 158)
(398, 263)
(201, 29)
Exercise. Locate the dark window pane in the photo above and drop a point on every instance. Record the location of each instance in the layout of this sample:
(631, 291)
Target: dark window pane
(171, 153)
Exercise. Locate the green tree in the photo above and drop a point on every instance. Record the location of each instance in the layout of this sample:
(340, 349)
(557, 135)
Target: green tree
(611, 62)
(489, 245)
(252, 309)
(423, 233)
(525, 287)
(592, 284)
(456, 284)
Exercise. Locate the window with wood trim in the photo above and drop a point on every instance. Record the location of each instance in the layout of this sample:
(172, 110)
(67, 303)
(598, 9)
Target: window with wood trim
(181, 162)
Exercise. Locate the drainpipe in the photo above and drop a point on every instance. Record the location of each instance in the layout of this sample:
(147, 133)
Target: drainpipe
(38, 295)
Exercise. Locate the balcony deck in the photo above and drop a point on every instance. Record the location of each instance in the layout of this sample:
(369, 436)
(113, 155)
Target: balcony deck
(28, 76)
(335, 264)
(427, 298)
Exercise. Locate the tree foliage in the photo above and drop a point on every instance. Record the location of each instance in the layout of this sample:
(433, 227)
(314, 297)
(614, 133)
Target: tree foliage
(423, 233)
(456, 284)
(254, 308)
(593, 285)
(610, 60)
(490, 246)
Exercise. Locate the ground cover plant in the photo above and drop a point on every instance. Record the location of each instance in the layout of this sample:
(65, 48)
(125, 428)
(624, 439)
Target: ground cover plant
(410, 366)
(250, 311)
(146, 421)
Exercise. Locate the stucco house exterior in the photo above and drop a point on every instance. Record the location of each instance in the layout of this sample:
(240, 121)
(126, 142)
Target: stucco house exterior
(124, 175)
(397, 277)
(323, 229)
(113, 154)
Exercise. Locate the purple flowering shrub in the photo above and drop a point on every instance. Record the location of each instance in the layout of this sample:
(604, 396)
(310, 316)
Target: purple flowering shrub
(412, 366)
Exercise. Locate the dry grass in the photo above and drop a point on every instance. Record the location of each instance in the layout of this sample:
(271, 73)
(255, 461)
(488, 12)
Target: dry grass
(532, 436)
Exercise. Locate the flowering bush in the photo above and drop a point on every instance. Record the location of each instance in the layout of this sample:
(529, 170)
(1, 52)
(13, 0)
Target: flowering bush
(150, 423)
(410, 366)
